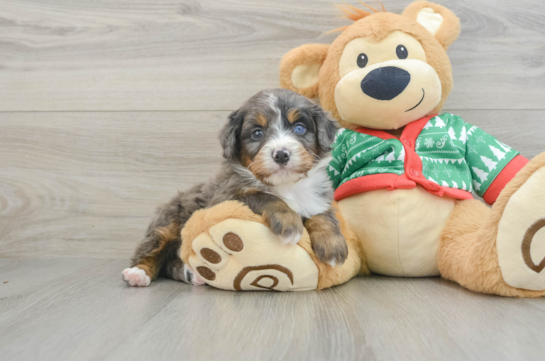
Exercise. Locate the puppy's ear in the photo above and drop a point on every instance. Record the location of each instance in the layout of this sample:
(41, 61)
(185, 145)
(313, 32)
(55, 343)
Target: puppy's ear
(230, 135)
(300, 69)
(437, 19)
(326, 128)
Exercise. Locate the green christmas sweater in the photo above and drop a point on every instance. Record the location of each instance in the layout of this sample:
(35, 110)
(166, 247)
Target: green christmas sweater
(443, 154)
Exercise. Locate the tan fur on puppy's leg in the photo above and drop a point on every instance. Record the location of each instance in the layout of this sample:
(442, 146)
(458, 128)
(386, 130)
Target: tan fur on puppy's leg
(148, 261)
(468, 253)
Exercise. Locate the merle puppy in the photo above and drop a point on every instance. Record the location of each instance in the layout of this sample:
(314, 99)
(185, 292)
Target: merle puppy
(276, 149)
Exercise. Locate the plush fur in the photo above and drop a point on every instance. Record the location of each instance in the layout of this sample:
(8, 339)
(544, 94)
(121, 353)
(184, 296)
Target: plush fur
(468, 252)
(375, 26)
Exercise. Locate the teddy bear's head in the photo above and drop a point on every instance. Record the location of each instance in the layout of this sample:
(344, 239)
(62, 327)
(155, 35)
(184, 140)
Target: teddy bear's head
(383, 71)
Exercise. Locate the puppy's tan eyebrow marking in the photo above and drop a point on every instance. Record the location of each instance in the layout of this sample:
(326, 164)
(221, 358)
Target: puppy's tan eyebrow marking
(293, 115)
(261, 120)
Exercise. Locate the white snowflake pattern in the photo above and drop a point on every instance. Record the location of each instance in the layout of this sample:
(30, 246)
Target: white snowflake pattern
(457, 172)
(480, 139)
(448, 171)
(429, 143)
(471, 149)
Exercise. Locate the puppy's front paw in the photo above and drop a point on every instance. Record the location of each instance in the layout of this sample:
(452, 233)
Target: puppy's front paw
(136, 277)
(286, 225)
(329, 247)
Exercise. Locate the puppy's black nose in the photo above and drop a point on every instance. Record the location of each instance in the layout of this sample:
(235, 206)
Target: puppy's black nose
(385, 83)
(281, 156)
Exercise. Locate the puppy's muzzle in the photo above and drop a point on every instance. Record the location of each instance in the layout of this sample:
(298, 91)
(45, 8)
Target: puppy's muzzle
(385, 83)
(281, 156)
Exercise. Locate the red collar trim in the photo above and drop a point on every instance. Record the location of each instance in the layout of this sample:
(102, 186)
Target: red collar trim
(411, 131)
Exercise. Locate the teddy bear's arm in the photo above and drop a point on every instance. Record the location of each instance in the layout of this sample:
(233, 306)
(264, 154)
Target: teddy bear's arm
(491, 163)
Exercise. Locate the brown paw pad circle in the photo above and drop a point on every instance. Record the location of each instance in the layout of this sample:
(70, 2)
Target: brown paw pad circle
(529, 237)
(210, 255)
(233, 242)
(261, 282)
(264, 277)
(206, 273)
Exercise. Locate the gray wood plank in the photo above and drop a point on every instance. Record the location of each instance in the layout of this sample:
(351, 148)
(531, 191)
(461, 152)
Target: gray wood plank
(210, 55)
(81, 309)
(86, 184)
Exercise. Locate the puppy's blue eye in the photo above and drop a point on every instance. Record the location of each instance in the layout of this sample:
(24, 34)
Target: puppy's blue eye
(299, 129)
(258, 133)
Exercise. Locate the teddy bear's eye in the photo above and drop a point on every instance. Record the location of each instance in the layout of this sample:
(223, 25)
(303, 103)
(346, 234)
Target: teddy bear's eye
(402, 52)
(362, 60)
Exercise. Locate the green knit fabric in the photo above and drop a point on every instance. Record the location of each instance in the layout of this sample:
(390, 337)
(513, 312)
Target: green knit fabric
(454, 154)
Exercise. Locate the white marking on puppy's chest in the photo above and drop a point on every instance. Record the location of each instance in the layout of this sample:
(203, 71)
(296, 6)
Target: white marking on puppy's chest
(308, 196)
(288, 194)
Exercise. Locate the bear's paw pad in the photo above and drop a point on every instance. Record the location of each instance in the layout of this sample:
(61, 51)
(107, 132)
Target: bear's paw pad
(243, 255)
(521, 236)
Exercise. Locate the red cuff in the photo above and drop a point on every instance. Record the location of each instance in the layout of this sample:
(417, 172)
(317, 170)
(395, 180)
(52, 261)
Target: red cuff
(508, 173)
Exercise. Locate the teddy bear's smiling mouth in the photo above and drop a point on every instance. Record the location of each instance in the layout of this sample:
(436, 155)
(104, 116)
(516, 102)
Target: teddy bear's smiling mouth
(420, 102)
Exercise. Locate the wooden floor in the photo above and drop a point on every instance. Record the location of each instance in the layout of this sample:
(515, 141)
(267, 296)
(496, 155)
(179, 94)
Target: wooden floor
(108, 107)
(81, 310)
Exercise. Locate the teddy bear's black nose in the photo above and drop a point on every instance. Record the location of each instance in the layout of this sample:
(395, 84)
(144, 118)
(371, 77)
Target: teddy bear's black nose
(385, 83)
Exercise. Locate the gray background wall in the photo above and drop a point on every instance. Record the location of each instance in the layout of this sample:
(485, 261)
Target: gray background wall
(108, 107)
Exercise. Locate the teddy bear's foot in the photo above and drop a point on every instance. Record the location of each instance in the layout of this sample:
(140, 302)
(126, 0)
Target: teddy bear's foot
(244, 255)
(521, 235)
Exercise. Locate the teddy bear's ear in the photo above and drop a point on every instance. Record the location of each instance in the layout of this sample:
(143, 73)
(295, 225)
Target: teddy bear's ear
(300, 68)
(437, 19)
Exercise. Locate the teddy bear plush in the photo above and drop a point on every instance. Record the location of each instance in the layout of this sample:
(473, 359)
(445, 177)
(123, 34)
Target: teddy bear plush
(404, 174)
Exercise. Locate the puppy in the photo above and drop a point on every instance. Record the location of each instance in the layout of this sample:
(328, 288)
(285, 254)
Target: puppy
(276, 149)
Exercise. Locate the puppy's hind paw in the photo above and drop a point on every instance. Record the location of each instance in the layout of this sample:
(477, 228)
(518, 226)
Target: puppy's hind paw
(136, 277)
(193, 278)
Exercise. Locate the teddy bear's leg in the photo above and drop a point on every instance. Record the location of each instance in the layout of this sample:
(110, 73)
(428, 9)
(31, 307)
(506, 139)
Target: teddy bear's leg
(232, 249)
(500, 250)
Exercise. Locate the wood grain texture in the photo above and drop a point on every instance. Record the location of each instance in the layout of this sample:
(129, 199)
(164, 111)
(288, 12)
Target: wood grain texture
(81, 309)
(86, 184)
(59, 55)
